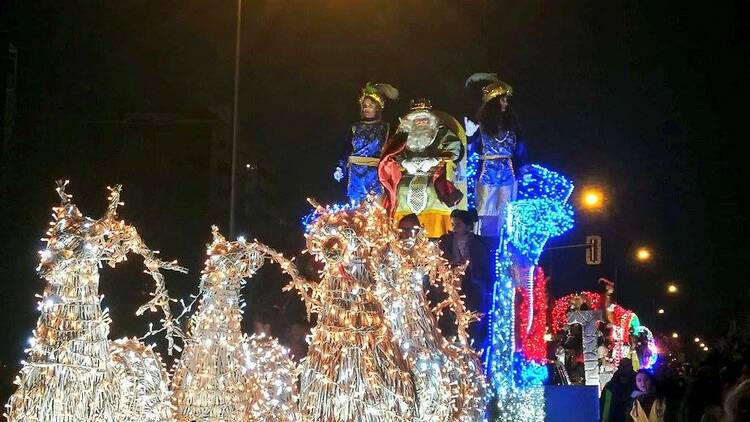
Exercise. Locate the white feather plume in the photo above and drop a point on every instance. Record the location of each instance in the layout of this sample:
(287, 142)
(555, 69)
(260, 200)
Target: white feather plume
(482, 77)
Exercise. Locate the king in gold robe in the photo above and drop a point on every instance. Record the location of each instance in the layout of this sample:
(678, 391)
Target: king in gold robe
(418, 168)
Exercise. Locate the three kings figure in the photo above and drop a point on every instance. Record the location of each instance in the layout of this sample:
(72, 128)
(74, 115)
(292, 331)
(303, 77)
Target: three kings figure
(421, 168)
(364, 144)
(497, 140)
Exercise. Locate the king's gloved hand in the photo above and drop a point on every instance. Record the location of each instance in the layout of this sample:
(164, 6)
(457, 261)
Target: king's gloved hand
(411, 166)
(428, 164)
(338, 174)
(470, 126)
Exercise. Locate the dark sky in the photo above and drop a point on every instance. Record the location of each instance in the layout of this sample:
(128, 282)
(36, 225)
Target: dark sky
(642, 97)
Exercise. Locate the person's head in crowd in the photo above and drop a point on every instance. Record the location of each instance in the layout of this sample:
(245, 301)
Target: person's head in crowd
(463, 221)
(408, 225)
(644, 381)
(624, 371)
(296, 342)
(737, 403)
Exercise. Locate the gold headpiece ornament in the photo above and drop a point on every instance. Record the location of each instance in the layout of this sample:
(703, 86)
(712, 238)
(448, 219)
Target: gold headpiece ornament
(378, 93)
(420, 104)
(494, 86)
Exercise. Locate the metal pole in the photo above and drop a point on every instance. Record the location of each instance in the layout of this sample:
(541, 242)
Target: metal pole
(617, 270)
(235, 109)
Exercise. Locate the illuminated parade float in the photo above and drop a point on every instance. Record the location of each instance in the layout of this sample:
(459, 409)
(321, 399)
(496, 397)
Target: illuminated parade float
(396, 333)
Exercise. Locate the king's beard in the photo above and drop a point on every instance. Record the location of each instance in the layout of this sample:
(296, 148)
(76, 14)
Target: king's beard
(420, 138)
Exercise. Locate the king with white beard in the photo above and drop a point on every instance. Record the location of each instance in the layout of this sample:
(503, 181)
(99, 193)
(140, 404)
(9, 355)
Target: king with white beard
(417, 169)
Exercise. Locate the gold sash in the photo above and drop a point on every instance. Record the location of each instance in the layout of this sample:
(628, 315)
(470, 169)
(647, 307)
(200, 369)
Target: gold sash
(494, 157)
(364, 161)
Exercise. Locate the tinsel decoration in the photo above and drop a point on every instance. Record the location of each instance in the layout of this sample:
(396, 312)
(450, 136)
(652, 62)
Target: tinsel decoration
(274, 376)
(645, 346)
(400, 282)
(623, 324)
(573, 301)
(589, 321)
(353, 370)
(540, 211)
(73, 372)
(217, 378)
(143, 382)
(449, 382)
(467, 374)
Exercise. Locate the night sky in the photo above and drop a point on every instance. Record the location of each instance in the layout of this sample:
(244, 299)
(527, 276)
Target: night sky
(642, 97)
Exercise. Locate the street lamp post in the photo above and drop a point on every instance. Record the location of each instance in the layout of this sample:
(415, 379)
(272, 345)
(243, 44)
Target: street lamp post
(235, 111)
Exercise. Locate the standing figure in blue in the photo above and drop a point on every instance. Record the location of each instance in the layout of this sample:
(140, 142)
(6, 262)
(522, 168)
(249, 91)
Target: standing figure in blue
(364, 144)
(496, 138)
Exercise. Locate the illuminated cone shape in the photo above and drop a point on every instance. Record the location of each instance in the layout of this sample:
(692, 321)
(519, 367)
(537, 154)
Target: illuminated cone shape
(66, 376)
(353, 370)
(73, 373)
(211, 380)
(400, 288)
(223, 375)
(143, 382)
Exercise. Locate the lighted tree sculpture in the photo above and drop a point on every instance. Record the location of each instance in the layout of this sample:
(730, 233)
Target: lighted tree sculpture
(223, 375)
(73, 373)
(448, 377)
(353, 371)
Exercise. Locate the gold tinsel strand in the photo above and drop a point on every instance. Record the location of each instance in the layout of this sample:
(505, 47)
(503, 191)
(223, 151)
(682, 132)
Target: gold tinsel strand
(448, 376)
(73, 372)
(401, 274)
(353, 370)
(376, 334)
(223, 375)
(275, 376)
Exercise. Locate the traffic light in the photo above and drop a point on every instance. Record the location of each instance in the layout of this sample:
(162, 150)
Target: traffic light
(593, 250)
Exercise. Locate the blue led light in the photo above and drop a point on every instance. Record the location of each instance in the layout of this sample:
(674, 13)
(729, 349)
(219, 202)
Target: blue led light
(309, 218)
(472, 173)
(498, 362)
(537, 182)
(528, 374)
(531, 222)
(539, 213)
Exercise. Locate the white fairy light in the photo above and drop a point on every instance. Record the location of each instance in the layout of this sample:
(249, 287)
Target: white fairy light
(73, 371)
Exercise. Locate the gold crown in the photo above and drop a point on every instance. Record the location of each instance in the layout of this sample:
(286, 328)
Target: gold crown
(496, 89)
(371, 91)
(420, 104)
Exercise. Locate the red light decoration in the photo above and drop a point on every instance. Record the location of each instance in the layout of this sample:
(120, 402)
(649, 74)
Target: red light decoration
(562, 306)
(532, 344)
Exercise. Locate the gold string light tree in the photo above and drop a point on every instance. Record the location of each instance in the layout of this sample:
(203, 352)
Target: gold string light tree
(450, 385)
(223, 375)
(466, 371)
(353, 370)
(73, 372)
